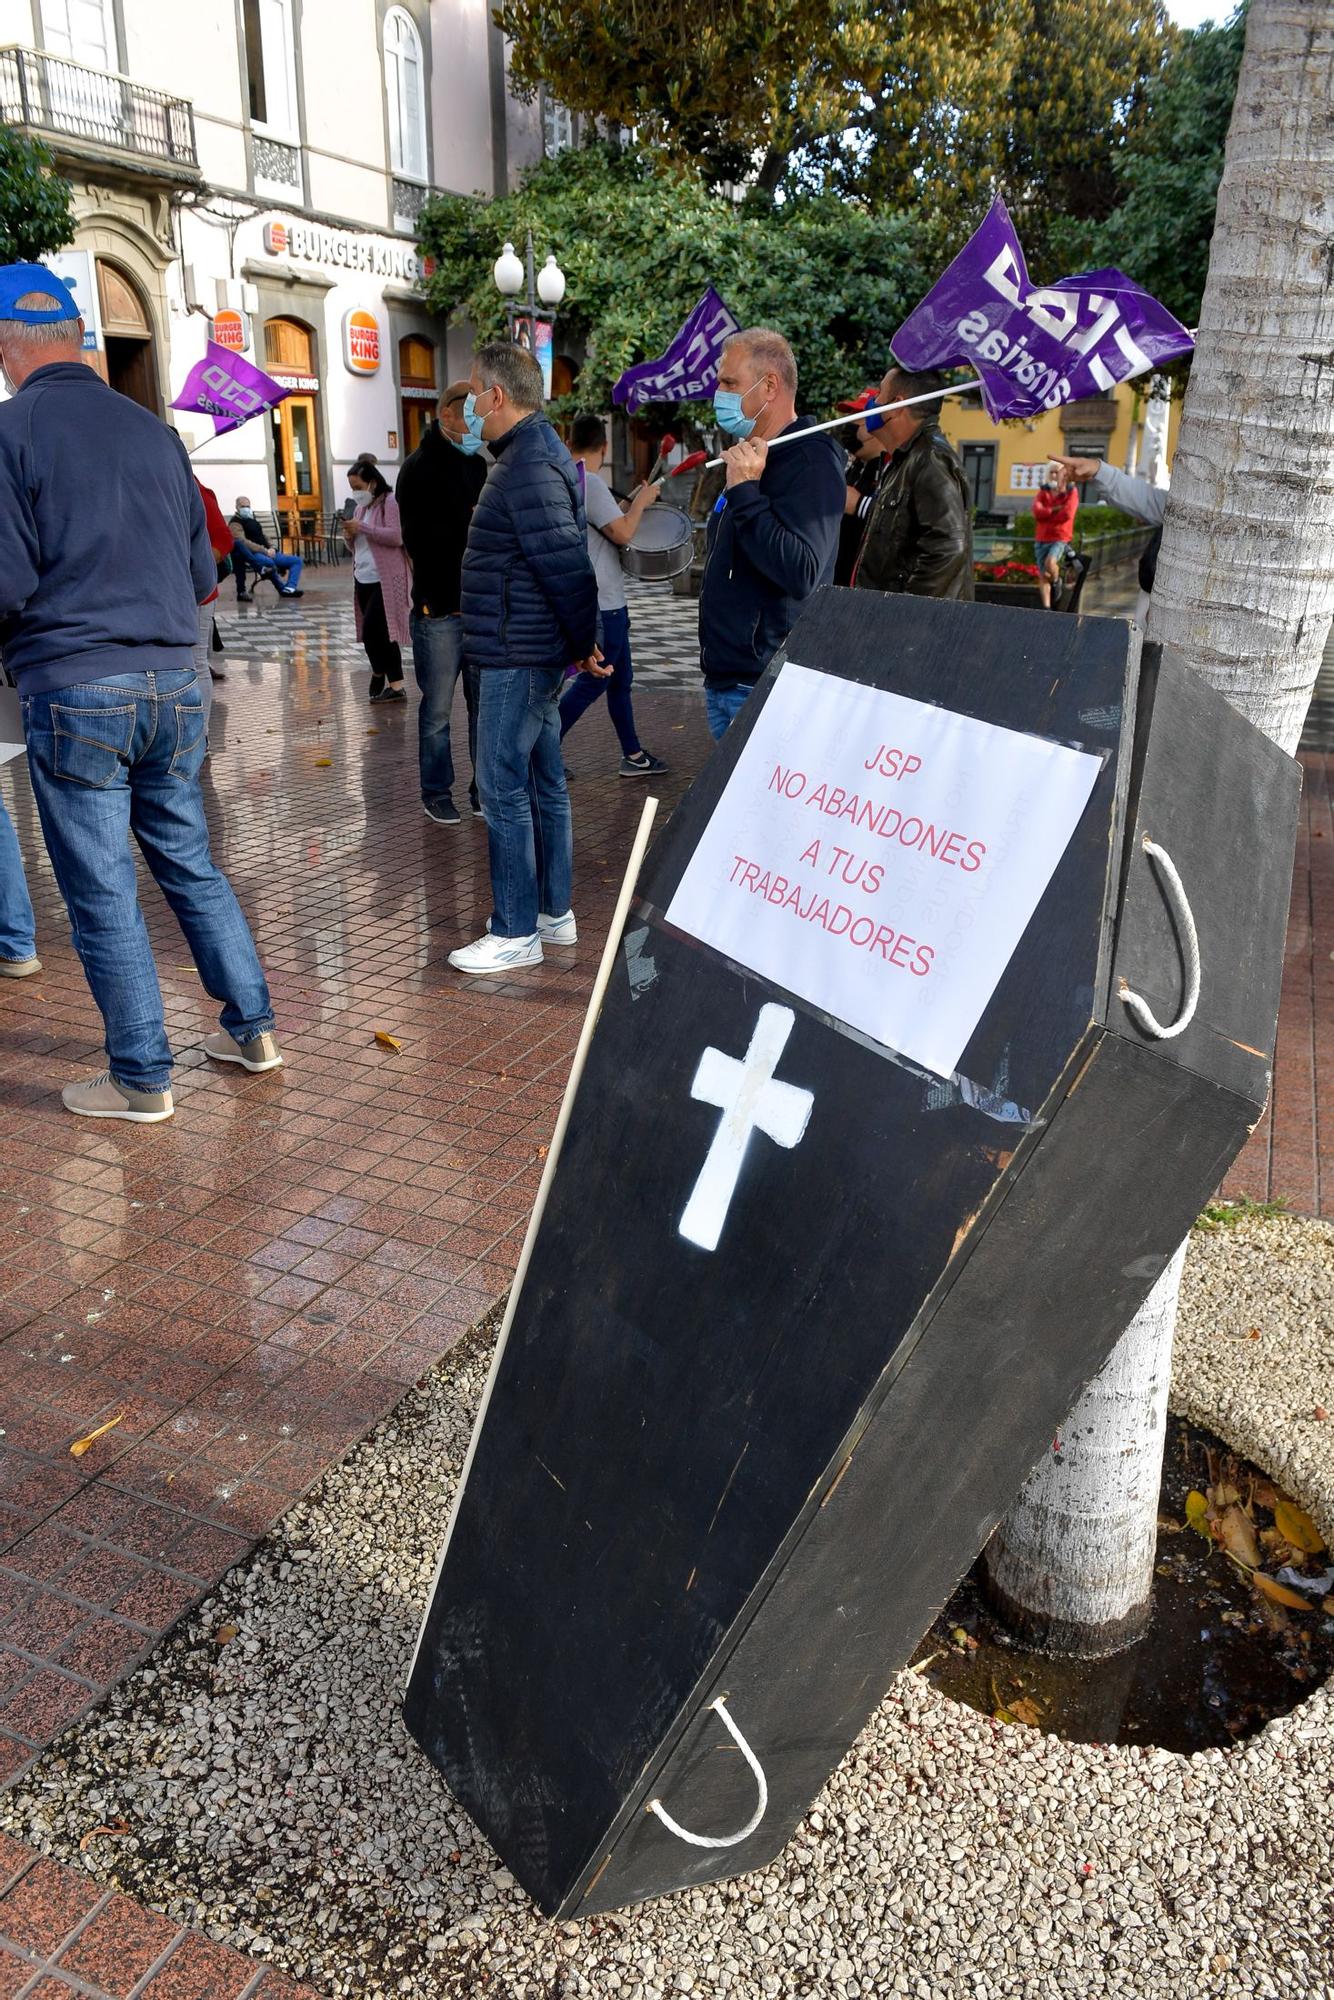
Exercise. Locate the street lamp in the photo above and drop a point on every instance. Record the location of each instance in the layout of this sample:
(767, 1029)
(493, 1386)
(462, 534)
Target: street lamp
(515, 276)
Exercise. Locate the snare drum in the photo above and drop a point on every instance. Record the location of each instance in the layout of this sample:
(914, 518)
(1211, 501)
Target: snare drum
(662, 546)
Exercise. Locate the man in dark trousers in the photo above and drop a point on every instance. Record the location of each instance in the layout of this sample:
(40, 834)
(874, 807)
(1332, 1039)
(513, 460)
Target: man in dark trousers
(102, 647)
(773, 536)
(251, 533)
(530, 609)
(919, 538)
(436, 492)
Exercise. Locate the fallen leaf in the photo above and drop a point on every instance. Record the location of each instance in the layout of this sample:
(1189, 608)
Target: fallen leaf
(1223, 1495)
(1197, 1513)
(1297, 1527)
(1327, 1604)
(1238, 1537)
(323, 763)
(116, 1829)
(81, 1445)
(225, 1634)
(387, 1041)
(542, 1152)
(1278, 1593)
(1027, 1712)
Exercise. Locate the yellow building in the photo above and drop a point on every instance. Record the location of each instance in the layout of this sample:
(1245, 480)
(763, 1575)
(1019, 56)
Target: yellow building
(1004, 462)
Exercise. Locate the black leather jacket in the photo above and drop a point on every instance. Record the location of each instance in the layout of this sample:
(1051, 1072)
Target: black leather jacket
(920, 535)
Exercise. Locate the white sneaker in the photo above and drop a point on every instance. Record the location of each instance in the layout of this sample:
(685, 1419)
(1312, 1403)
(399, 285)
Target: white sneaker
(553, 930)
(498, 954)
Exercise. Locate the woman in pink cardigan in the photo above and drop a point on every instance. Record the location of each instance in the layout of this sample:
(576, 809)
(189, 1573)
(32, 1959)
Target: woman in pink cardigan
(381, 578)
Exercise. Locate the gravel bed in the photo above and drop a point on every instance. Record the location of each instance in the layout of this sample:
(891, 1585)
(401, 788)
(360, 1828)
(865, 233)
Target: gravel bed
(273, 1797)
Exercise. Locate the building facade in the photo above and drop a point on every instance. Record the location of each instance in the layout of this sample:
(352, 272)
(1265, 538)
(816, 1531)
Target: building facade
(1005, 462)
(252, 171)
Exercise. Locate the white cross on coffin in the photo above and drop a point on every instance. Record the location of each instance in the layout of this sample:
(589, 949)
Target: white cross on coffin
(749, 1099)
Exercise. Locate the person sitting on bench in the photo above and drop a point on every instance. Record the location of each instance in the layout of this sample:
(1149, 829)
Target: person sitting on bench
(283, 571)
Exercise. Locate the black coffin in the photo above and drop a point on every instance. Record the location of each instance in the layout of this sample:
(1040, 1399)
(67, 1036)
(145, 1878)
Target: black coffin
(756, 1475)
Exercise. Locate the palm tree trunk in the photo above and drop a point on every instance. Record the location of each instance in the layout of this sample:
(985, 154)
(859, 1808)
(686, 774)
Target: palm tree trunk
(1244, 593)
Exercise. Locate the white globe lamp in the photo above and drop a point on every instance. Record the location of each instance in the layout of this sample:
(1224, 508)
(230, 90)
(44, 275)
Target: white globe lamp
(550, 283)
(508, 272)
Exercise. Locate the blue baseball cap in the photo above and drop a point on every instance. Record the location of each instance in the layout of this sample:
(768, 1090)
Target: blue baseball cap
(17, 280)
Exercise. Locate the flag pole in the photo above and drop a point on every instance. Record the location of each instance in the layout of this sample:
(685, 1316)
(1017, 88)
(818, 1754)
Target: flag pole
(860, 416)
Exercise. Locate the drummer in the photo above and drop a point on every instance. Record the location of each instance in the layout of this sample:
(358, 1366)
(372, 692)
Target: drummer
(610, 528)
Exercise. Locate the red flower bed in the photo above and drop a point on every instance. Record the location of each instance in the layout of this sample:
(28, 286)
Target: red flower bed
(1006, 572)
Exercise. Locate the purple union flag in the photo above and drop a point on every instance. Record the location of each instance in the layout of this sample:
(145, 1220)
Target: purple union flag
(229, 389)
(1035, 347)
(688, 370)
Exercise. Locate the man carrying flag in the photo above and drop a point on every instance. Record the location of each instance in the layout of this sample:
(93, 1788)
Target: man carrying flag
(102, 647)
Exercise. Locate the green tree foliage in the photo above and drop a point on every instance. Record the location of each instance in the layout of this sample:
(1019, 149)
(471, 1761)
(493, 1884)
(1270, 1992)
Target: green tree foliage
(1168, 174)
(35, 216)
(718, 84)
(921, 106)
(1038, 103)
(640, 243)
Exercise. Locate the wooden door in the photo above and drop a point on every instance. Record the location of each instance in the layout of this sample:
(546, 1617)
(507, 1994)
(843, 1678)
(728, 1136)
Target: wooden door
(297, 462)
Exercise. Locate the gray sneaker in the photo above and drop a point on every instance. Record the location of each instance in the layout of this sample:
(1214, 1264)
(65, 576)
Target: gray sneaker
(260, 1053)
(103, 1097)
(19, 968)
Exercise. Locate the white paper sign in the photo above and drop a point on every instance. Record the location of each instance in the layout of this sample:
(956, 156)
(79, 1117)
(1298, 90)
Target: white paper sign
(880, 857)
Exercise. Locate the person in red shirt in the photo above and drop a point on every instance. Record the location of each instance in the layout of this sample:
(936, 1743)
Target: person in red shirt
(220, 541)
(1054, 507)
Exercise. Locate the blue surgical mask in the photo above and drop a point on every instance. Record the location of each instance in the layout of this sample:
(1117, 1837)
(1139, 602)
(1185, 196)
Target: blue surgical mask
(730, 415)
(470, 442)
(473, 421)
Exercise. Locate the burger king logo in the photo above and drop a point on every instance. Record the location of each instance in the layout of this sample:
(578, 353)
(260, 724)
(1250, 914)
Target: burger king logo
(361, 341)
(230, 331)
(275, 238)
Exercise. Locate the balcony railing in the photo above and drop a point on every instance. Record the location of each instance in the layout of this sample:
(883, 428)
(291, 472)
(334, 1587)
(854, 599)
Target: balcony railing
(52, 96)
(410, 198)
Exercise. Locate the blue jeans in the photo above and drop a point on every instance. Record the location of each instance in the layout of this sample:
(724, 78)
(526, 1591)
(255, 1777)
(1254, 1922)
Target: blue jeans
(723, 706)
(285, 570)
(123, 756)
(437, 660)
(18, 929)
(584, 690)
(524, 798)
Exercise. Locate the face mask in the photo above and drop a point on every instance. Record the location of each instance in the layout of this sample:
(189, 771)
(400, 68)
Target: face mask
(470, 442)
(728, 409)
(473, 421)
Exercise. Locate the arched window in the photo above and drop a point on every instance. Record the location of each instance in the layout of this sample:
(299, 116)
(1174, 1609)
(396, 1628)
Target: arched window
(406, 92)
(287, 345)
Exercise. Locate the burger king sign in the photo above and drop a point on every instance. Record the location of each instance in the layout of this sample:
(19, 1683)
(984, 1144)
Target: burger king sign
(361, 341)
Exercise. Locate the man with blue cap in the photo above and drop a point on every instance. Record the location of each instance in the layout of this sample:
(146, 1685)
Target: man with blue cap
(101, 646)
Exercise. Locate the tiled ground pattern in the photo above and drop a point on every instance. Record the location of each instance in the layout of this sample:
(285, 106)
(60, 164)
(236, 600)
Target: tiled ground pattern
(62, 1937)
(249, 1288)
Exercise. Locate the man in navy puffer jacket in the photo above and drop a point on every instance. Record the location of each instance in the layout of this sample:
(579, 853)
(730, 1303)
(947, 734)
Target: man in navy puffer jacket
(530, 606)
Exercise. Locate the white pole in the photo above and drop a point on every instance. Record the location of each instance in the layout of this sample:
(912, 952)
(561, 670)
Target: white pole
(860, 416)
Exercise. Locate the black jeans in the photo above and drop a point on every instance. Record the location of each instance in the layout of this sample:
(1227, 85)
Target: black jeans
(383, 654)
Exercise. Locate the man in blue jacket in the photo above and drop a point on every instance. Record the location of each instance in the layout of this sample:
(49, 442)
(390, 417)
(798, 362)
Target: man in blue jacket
(102, 647)
(773, 537)
(529, 603)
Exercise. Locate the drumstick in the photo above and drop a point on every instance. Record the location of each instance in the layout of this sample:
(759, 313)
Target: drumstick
(688, 464)
(668, 444)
